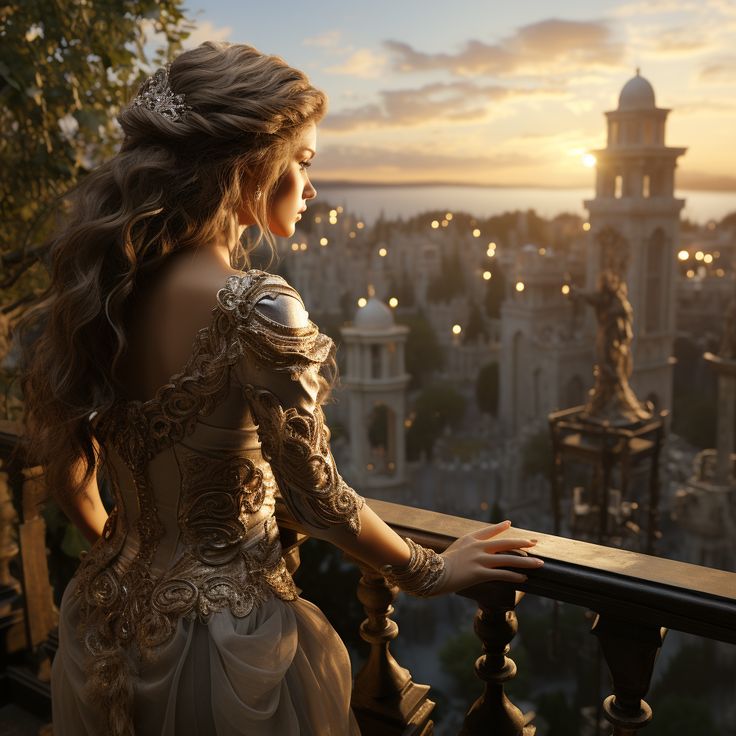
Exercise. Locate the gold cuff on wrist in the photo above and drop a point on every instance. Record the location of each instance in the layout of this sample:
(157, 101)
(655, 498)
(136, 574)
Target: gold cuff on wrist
(420, 575)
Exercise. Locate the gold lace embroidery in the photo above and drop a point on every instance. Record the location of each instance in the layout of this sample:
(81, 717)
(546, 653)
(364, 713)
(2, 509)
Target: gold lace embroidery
(130, 606)
(297, 446)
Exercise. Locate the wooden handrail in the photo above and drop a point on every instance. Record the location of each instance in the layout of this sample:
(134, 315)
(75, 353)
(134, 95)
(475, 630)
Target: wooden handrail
(630, 585)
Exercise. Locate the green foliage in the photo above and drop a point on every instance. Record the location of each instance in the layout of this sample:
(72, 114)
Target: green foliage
(403, 289)
(437, 407)
(682, 714)
(486, 388)
(562, 717)
(424, 354)
(536, 455)
(457, 657)
(495, 291)
(66, 68)
(449, 281)
(476, 328)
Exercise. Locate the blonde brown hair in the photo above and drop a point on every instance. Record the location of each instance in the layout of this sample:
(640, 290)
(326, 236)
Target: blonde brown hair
(174, 184)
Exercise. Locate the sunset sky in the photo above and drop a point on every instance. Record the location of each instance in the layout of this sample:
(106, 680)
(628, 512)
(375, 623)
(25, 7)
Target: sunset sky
(507, 93)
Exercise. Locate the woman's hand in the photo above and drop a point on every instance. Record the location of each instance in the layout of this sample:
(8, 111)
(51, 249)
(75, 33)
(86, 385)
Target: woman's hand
(476, 557)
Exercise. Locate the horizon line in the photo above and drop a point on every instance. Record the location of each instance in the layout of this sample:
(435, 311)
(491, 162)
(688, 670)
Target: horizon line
(352, 184)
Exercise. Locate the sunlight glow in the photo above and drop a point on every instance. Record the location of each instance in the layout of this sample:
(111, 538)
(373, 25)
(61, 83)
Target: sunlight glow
(589, 160)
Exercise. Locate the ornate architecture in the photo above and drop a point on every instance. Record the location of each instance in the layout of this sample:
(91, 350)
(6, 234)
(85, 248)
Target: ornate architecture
(634, 230)
(375, 383)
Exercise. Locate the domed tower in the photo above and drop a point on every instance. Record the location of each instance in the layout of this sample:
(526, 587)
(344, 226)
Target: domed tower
(635, 230)
(375, 382)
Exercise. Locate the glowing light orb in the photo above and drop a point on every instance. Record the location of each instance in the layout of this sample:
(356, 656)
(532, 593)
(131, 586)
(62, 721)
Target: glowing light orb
(683, 255)
(456, 329)
(362, 302)
(589, 160)
(393, 302)
(565, 289)
(519, 286)
(487, 275)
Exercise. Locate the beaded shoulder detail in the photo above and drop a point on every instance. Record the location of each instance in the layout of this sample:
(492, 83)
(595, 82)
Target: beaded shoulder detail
(236, 328)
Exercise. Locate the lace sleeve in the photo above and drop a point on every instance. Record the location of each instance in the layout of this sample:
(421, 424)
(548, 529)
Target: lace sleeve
(283, 377)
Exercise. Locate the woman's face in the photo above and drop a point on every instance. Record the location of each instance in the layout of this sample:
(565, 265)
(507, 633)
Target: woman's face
(289, 200)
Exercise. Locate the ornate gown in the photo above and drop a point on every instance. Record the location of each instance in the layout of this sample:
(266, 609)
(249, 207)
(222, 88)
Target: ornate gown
(183, 619)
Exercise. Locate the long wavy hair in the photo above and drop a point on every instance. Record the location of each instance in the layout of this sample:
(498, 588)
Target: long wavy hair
(174, 185)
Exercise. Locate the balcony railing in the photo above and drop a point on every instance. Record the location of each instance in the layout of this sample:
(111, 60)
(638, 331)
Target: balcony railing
(635, 597)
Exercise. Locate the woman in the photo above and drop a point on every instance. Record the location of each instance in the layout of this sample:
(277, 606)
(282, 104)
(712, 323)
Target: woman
(195, 387)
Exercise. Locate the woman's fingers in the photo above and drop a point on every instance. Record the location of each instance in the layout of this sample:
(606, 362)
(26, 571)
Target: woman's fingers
(501, 560)
(491, 531)
(503, 545)
(507, 576)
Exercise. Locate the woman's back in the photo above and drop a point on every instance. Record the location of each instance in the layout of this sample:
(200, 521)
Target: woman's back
(166, 312)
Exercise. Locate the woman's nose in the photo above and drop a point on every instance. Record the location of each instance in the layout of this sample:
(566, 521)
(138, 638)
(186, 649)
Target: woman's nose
(309, 191)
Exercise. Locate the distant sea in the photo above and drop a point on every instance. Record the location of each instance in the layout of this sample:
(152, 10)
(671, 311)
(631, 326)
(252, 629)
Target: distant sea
(368, 202)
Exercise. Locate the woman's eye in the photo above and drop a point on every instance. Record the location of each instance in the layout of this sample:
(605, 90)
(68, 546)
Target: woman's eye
(304, 165)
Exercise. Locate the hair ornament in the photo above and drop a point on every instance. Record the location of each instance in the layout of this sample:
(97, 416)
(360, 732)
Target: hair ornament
(155, 94)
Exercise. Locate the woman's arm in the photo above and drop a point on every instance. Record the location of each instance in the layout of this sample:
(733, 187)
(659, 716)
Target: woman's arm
(295, 440)
(83, 505)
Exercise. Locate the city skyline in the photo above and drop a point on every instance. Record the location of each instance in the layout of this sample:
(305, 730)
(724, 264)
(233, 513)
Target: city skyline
(506, 96)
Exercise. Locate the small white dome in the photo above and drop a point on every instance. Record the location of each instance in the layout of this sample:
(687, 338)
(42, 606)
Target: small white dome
(375, 315)
(637, 94)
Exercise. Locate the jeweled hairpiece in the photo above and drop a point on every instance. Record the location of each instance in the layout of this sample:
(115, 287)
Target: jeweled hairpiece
(156, 94)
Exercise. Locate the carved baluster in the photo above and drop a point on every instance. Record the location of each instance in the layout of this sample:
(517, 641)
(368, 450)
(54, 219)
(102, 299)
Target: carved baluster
(496, 625)
(385, 699)
(630, 651)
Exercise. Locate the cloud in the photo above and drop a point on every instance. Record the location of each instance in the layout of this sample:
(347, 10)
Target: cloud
(723, 70)
(564, 43)
(679, 42)
(654, 7)
(206, 31)
(326, 40)
(460, 101)
(363, 63)
(418, 162)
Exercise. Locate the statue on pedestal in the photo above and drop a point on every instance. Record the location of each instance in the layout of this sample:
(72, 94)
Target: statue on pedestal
(612, 400)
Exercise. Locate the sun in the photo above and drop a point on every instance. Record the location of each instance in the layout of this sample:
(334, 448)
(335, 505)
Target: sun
(589, 160)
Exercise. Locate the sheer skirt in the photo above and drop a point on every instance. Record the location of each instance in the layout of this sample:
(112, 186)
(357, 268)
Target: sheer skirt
(279, 671)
